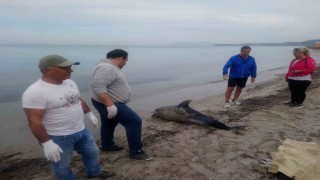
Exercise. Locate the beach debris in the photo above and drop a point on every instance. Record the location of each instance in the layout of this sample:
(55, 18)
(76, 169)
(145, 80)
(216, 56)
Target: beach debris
(296, 159)
(184, 114)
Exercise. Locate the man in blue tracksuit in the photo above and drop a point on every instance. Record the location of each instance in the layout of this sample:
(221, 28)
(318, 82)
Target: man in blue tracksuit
(241, 67)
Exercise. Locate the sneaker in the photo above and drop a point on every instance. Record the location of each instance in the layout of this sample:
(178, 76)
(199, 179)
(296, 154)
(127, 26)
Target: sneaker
(227, 104)
(236, 102)
(141, 155)
(103, 175)
(110, 149)
(296, 106)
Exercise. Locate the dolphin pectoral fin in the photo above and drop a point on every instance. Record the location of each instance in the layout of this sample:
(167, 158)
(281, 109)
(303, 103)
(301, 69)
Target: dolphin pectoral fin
(210, 121)
(194, 120)
(181, 111)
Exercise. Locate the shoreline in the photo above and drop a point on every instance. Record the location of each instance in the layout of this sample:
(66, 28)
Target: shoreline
(25, 142)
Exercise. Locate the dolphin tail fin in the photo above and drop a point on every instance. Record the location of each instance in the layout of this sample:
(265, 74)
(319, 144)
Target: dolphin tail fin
(218, 125)
(237, 127)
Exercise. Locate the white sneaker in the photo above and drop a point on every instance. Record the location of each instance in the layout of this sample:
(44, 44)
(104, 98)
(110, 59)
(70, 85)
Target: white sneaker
(236, 102)
(227, 104)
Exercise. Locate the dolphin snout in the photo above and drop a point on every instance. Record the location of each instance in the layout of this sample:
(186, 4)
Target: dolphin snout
(155, 114)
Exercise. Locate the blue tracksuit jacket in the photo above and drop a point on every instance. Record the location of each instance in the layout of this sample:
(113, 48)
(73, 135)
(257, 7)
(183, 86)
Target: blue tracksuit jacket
(241, 68)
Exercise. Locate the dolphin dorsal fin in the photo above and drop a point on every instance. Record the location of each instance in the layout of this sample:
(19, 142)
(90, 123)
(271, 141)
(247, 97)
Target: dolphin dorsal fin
(185, 103)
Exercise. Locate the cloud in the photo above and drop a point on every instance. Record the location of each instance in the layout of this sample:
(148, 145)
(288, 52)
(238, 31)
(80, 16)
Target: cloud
(157, 22)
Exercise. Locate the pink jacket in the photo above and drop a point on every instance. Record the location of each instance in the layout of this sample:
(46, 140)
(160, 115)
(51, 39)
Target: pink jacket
(306, 65)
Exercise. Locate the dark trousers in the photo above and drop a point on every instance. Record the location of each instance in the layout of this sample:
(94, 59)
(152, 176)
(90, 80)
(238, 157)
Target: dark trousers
(298, 90)
(127, 118)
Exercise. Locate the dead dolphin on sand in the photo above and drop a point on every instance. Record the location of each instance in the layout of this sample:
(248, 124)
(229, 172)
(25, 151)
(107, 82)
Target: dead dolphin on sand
(184, 114)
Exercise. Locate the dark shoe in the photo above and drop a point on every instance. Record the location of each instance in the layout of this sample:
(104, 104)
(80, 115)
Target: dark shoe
(297, 106)
(289, 103)
(141, 155)
(103, 175)
(110, 149)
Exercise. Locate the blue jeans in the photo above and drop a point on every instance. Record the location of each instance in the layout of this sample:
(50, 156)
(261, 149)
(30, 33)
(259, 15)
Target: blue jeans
(84, 144)
(127, 118)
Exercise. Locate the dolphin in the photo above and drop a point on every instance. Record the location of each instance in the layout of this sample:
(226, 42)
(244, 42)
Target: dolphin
(184, 114)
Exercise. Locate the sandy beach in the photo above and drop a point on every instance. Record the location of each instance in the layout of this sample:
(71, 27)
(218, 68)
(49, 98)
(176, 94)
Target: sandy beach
(189, 151)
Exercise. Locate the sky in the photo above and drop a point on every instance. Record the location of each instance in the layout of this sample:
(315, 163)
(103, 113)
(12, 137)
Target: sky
(157, 22)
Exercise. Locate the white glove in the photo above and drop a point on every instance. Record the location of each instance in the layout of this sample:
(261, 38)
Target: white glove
(93, 119)
(52, 150)
(112, 111)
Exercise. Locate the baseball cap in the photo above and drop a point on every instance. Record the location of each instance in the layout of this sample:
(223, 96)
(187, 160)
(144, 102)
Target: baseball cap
(55, 60)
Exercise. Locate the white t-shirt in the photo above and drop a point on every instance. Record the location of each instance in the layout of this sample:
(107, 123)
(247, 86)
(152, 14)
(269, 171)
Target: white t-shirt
(64, 114)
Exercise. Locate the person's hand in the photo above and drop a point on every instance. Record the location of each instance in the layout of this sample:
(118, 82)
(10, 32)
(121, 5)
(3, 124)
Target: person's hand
(52, 151)
(112, 111)
(253, 80)
(225, 76)
(92, 118)
(296, 71)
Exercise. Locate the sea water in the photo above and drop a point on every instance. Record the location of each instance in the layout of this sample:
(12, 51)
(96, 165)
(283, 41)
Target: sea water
(158, 76)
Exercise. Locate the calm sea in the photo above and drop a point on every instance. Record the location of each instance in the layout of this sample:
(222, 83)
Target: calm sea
(157, 75)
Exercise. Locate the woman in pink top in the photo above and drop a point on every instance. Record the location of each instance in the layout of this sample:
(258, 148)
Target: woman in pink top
(299, 76)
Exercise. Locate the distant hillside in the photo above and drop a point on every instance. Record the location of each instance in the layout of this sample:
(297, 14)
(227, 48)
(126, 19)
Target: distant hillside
(308, 43)
(191, 44)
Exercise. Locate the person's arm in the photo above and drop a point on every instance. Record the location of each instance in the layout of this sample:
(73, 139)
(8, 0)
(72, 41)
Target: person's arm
(226, 67)
(35, 123)
(253, 71)
(105, 99)
(104, 76)
(51, 150)
(87, 112)
(310, 66)
(85, 106)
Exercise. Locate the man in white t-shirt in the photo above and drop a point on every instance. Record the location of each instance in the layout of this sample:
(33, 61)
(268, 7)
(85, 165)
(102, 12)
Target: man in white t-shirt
(55, 113)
